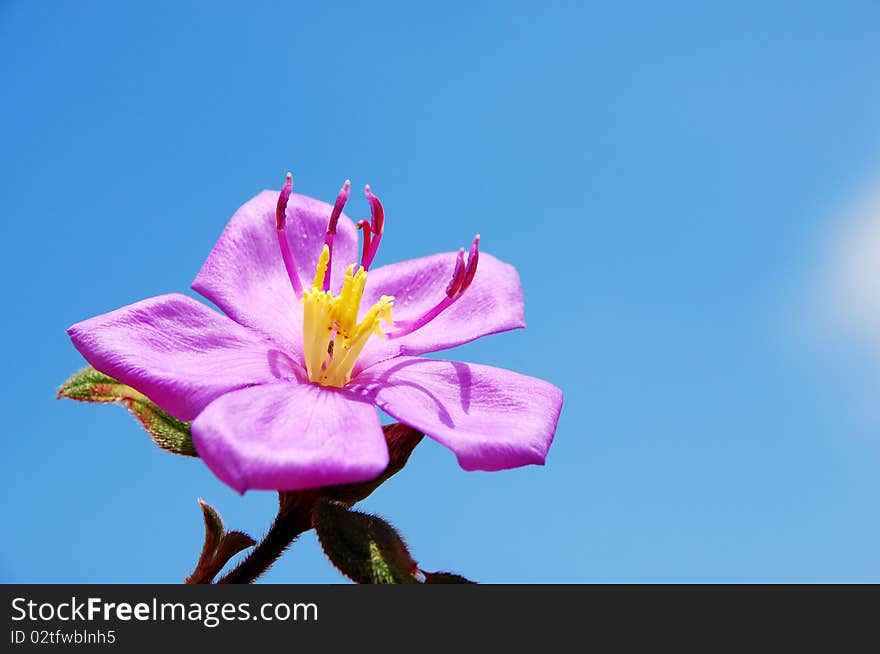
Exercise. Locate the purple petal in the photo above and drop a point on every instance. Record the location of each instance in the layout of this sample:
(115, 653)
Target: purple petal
(493, 303)
(178, 352)
(245, 276)
(490, 417)
(290, 436)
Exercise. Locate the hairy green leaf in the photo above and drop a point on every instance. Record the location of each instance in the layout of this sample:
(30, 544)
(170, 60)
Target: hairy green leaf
(365, 548)
(169, 433)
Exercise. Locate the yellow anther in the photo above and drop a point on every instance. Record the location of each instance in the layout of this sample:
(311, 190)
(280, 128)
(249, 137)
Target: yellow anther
(332, 337)
(321, 268)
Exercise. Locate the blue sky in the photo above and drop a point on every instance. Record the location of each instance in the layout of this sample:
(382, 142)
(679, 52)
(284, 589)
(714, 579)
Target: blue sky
(666, 179)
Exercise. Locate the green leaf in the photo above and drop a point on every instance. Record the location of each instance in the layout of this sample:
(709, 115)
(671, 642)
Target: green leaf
(365, 548)
(169, 433)
(401, 440)
(219, 547)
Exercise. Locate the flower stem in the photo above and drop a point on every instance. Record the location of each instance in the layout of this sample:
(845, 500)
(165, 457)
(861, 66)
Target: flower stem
(294, 517)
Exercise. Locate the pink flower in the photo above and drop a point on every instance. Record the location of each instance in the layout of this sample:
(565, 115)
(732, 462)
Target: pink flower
(282, 389)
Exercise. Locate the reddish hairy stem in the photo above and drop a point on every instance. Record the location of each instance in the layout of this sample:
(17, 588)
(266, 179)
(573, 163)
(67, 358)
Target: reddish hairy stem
(294, 518)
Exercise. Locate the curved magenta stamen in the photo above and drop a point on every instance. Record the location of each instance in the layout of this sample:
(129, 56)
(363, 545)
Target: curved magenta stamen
(364, 226)
(454, 287)
(283, 197)
(338, 206)
(341, 199)
(408, 327)
(377, 212)
(377, 227)
(473, 259)
(462, 276)
(283, 244)
(371, 253)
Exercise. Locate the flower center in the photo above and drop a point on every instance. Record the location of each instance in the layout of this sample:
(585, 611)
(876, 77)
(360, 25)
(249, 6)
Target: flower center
(332, 336)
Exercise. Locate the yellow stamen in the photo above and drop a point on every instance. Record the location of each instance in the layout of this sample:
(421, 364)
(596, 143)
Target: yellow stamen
(332, 337)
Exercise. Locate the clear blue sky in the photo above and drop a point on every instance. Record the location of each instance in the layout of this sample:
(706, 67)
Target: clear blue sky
(658, 175)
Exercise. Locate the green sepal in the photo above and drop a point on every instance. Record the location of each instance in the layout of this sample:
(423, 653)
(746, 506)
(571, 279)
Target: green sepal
(169, 433)
(220, 546)
(401, 440)
(365, 548)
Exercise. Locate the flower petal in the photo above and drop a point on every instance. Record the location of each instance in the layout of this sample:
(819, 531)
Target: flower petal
(289, 436)
(493, 303)
(178, 352)
(245, 276)
(490, 417)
